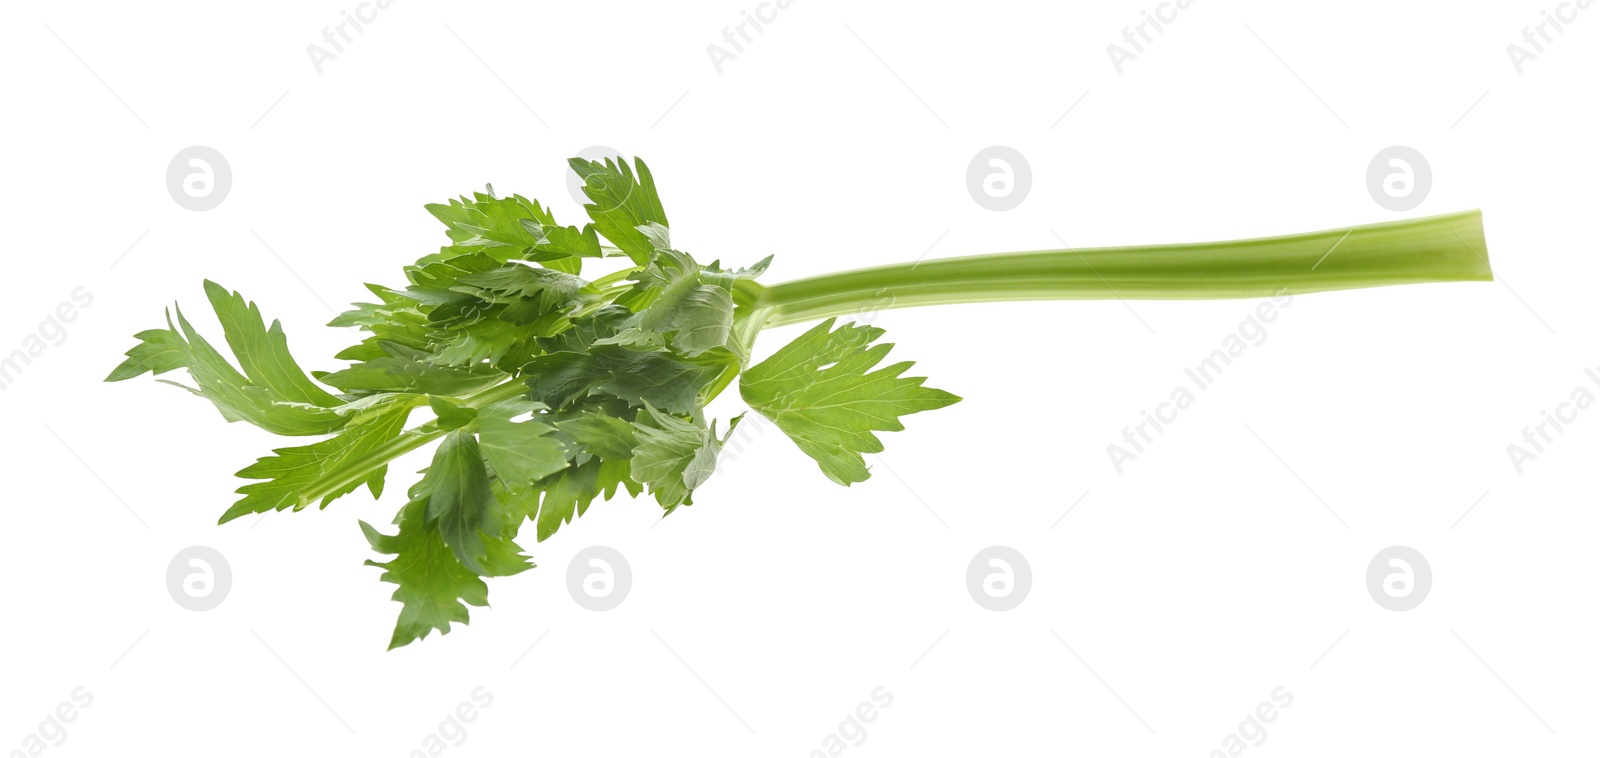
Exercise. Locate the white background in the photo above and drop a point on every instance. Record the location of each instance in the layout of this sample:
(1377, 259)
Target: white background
(1172, 598)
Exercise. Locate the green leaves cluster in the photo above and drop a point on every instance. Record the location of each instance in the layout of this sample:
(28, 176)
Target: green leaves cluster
(544, 391)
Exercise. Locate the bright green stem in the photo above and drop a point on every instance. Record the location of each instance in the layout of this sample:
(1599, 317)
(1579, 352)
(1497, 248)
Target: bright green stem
(1445, 248)
(413, 438)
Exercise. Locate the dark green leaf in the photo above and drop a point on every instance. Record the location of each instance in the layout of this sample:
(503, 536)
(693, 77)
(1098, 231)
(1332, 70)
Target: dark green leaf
(601, 435)
(296, 477)
(519, 452)
(460, 500)
(434, 589)
(406, 371)
(673, 456)
(272, 393)
(621, 202)
(450, 415)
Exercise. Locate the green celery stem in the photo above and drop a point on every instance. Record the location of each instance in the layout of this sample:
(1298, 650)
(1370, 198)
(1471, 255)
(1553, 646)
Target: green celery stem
(358, 469)
(1446, 248)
